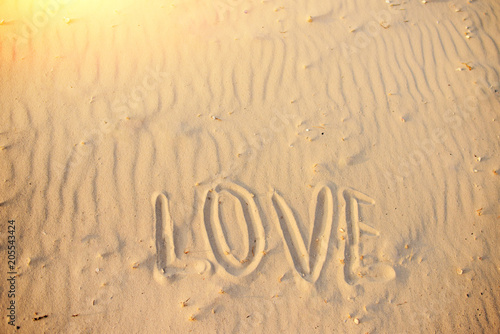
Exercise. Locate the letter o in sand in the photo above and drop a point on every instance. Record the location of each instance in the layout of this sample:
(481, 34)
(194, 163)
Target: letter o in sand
(250, 222)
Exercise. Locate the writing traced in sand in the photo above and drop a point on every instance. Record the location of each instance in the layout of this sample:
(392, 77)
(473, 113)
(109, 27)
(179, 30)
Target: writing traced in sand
(307, 255)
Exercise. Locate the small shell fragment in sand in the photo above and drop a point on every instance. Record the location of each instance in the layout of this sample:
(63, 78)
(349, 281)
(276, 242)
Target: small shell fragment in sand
(67, 20)
(356, 321)
(192, 318)
(41, 317)
(468, 66)
(460, 271)
(309, 19)
(135, 265)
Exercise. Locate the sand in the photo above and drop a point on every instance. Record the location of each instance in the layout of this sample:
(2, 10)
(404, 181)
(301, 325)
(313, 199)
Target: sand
(250, 166)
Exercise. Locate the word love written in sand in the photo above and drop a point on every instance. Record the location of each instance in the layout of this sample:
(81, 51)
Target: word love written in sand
(308, 261)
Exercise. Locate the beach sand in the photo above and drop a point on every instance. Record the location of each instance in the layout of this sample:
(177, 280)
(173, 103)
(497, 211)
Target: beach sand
(250, 166)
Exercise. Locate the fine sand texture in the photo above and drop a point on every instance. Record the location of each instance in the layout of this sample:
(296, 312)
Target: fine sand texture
(238, 166)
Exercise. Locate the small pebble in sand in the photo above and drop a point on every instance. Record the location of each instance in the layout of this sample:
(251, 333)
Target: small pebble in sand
(356, 321)
(309, 19)
(192, 318)
(460, 271)
(67, 20)
(2, 21)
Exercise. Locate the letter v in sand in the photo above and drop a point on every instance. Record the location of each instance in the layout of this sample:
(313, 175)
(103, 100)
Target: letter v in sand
(308, 261)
